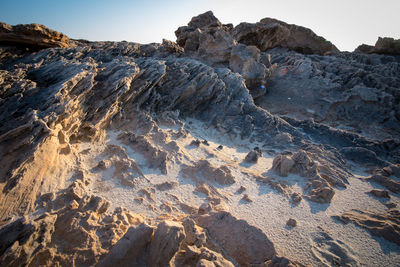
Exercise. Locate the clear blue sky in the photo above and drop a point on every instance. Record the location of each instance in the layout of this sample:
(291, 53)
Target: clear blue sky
(347, 23)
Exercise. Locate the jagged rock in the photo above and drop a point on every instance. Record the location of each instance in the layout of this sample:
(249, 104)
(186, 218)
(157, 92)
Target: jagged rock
(270, 33)
(207, 39)
(246, 61)
(203, 20)
(383, 45)
(32, 35)
(64, 110)
(283, 164)
(165, 244)
(384, 225)
(203, 170)
(362, 155)
(379, 193)
(328, 172)
(392, 185)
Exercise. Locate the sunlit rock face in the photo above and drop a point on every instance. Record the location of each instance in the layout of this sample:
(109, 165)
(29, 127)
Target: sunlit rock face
(198, 153)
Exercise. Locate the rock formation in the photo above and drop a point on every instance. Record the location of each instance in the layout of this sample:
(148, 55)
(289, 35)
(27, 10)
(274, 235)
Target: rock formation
(270, 33)
(118, 153)
(32, 35)
(384, 45)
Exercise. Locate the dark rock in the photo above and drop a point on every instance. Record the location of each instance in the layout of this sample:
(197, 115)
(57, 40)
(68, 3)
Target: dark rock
(291, 222)
(384, 45)
(195, 143)
(379, 193)
(270, 33)
(252, 156)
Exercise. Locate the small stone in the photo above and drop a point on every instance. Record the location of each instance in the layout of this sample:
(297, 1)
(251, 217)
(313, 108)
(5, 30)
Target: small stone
(195, 142)
(390, 205)
(204, 208)
(247, 198)
(205, 142)
(379, 193)
(252, 156)
(291, 222)
(241, 190)
(104, 165)
(296, 197)
(220, 147)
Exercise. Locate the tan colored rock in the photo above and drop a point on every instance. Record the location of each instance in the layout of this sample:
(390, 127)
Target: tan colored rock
(247, 198)
(130, 249)
(283, 164)
(193, 256)
(32, 35)
(203, 170)
(165, 243)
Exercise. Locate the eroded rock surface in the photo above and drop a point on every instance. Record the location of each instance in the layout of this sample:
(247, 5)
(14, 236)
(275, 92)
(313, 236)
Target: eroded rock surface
(386, 225)
(32, 35)
(87, 125)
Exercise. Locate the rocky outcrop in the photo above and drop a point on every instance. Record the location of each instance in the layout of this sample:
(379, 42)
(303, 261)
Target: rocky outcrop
(270, 33)
(383, 225)
(166, 242)
(321, 94)
(206, 38)
(204, 171)
(323, 172)
(32, 35)
(76, 121)
(384, 45)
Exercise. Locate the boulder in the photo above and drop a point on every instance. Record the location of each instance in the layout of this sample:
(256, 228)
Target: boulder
(270, 33)
(207, 39)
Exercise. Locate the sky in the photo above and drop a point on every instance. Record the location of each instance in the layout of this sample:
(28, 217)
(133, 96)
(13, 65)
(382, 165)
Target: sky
(346, 23)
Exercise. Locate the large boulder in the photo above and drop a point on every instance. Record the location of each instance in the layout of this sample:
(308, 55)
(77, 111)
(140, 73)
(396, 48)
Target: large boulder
(205, 38)
(32, 35)
(270, 33)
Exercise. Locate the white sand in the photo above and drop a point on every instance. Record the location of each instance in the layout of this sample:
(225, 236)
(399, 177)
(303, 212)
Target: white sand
(269, 210)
